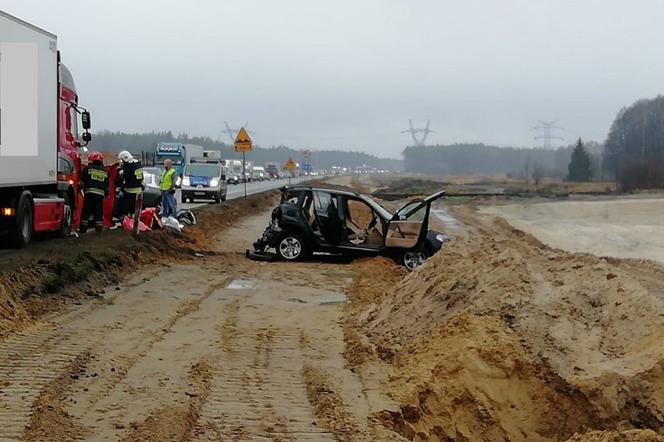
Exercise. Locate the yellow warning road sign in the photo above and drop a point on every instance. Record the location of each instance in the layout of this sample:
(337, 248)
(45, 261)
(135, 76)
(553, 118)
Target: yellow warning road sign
(290, 165)
(243, 141)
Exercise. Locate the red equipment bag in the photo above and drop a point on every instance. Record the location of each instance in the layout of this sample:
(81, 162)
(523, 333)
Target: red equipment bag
(147, 216)
(128, 225)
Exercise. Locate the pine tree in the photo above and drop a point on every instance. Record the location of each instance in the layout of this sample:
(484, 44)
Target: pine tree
(579, 165)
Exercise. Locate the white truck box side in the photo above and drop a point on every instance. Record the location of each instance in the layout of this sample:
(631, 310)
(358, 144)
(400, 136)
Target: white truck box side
(193, 151)
(28, 104)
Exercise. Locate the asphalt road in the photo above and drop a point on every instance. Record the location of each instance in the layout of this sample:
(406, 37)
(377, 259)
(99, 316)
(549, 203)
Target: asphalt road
(237, 191)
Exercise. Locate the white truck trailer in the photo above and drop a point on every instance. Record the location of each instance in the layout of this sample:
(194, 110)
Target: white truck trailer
(39, 136)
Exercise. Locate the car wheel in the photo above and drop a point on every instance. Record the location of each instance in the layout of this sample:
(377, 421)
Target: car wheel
(21, 232)
(217, 198)
(412, 259)
(292, 247)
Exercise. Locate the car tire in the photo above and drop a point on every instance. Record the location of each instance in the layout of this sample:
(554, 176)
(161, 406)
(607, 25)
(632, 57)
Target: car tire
(412, 259)
(292, 247)
(217, 198)
(21, 232)
(223, 197)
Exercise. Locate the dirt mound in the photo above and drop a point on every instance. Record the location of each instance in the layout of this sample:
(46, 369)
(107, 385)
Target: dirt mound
(501, 338)
(618, 436)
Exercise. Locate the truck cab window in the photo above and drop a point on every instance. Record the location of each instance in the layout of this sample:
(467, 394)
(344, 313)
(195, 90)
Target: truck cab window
(73, 122)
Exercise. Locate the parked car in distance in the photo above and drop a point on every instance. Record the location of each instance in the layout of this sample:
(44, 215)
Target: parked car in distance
(310, 219)
(151, 191)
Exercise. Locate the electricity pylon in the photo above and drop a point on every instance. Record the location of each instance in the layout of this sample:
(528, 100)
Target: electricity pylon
(232, 133)
(547, 136)
(413, 133)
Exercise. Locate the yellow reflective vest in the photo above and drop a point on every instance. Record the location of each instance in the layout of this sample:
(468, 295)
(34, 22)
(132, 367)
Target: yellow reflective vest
(167, 179)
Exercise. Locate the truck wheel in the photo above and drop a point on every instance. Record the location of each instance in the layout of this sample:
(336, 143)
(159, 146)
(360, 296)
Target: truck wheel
(67, 219)
(21, 232)
(291, 247)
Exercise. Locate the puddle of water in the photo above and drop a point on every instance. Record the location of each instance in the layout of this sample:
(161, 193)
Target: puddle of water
(243, 284)
(326, 299)
(446, 218)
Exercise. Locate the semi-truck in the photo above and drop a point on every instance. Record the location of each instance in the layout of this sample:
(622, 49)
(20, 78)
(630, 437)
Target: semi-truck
(40, 139)
(180, 153)
(234, 175)
(272, 170)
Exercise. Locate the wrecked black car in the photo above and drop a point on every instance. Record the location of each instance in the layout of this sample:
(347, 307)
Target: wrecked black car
(310, 220)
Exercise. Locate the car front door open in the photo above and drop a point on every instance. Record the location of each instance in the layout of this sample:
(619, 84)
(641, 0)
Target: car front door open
(410, 223)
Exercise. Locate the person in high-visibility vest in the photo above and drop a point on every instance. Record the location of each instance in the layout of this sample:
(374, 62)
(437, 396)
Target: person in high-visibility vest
(130, 182)
(167, 186)
(94, 182)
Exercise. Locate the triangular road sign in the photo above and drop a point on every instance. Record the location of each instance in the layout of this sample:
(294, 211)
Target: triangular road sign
(290, 165)
(243, 141)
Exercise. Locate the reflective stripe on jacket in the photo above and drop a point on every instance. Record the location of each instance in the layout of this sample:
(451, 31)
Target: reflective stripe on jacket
(95, 191)
(95, 179)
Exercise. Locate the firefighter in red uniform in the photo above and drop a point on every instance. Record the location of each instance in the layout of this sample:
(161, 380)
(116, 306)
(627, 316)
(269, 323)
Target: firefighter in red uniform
(94, 181)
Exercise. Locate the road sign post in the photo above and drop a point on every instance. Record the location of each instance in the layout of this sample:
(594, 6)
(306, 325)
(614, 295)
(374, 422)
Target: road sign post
(290, 167)
(244, 172)
(243, 144)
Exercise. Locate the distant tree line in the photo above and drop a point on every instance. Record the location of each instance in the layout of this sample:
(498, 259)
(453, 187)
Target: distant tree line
(634, 149)
(481, 159)
(115, 142)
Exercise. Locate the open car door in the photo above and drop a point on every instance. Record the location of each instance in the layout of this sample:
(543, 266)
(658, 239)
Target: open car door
(409, 226)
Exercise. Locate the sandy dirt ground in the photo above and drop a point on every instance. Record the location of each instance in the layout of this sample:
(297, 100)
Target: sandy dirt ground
(626, 228)
(228, 349)
(499, 337)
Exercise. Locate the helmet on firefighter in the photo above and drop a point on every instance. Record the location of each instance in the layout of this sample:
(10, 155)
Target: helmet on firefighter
(125, 156)
(95, 156)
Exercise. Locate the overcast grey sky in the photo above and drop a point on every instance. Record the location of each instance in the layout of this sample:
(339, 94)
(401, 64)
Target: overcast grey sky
(350, 73)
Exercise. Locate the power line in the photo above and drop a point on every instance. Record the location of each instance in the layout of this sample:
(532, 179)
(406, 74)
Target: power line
(414, 131)
(547, 136)
(232, 133)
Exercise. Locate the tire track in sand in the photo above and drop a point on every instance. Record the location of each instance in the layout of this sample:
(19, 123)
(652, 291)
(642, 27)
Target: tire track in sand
(257, 388)
(35, 359)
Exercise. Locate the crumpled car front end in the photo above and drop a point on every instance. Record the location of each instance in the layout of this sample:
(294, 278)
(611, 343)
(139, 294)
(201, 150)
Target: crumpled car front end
(268, 239)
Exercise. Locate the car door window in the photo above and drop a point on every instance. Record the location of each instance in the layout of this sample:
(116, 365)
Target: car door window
(404, 231)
